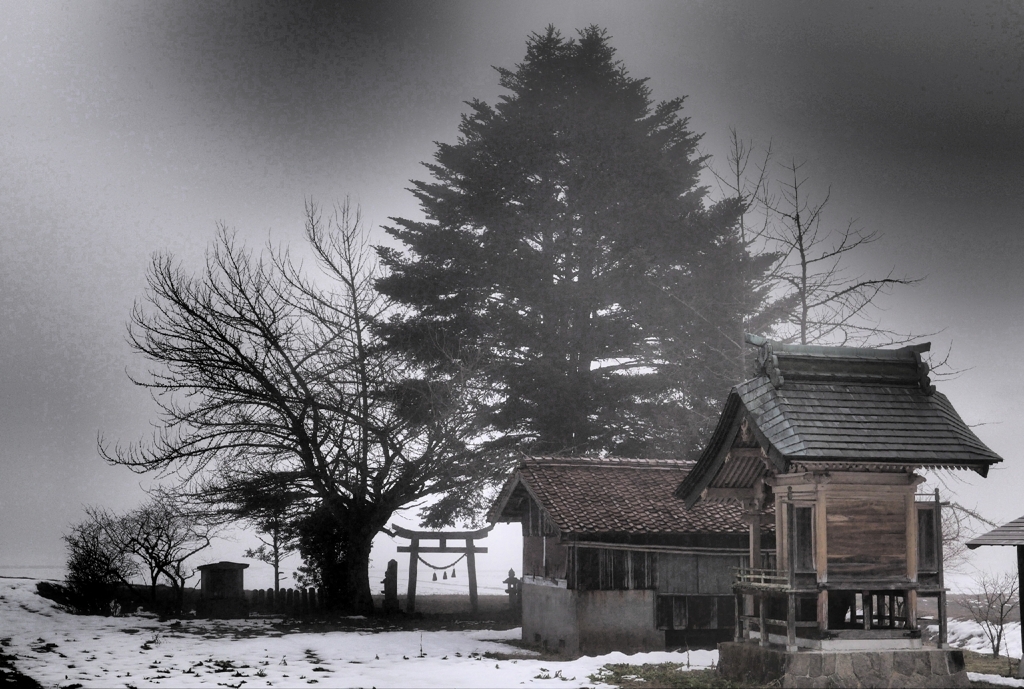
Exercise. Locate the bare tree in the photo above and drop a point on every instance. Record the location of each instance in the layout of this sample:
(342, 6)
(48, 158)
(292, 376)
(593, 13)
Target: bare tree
(265, 376)
(833, 304)
(164, 536)
(991, 605)
(747, 181)
(160, 537)
(959, 525)
(96, 566)
(818, 297)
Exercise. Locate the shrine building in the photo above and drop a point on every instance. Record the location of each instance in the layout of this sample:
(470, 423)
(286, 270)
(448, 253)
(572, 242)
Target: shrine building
(826, 442)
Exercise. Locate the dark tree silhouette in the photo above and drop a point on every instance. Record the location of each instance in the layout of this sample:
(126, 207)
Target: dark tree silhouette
(569, 252)
(96, 566)
(266, 377)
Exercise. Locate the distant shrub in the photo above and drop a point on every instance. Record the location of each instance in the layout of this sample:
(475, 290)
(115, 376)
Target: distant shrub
(96, 568)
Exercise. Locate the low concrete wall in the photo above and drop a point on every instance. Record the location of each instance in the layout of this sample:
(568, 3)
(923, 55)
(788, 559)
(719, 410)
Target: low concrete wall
(618, 621)
(549, 618)
(927, 667)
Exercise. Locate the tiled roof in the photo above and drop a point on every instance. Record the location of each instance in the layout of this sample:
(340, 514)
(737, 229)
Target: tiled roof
(605, 496)
(837, 421)
(843, 407)
(1007, 534)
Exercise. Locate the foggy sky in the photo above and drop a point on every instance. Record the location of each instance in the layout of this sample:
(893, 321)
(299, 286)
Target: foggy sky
(130, 128)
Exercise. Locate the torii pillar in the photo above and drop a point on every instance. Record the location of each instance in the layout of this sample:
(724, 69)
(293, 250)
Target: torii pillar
(442, 537)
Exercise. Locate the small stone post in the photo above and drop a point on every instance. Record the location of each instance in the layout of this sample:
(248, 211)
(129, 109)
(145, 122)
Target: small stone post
(390, 592)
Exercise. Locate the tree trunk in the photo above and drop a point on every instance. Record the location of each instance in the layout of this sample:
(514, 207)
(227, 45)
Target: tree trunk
(355, 573)
(346, 580)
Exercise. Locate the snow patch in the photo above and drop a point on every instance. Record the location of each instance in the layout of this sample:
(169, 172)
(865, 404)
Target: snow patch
(58, 649)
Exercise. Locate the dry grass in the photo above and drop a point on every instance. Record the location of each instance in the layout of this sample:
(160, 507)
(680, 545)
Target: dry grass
(985, 664)
(669, 675)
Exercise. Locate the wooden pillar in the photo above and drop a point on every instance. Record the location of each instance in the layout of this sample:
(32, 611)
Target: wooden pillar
(755, 539)
(867, 608)
(781, 542)
(1020, 573)
(943, 631)
(471, 566)
(754, 512)
(911, 505)
(791, 622)
(738, 635)
(912, 609)
(821, 556)
(414, 554)
(764, 619)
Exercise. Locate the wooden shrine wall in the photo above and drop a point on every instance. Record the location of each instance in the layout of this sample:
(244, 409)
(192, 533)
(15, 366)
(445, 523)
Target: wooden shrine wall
(867, 536)
(534, 557)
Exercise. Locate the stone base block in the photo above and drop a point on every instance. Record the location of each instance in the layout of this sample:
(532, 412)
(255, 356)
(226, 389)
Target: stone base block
(924, 667)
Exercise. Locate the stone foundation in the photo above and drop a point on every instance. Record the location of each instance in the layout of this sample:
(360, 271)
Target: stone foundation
(926, 667)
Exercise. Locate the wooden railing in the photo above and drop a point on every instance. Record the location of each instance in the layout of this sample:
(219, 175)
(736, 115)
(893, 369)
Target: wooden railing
(767, 579)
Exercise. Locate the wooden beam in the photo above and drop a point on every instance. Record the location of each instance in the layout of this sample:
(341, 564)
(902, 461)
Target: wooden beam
(445, 549)
(744, 453)
(438, 535)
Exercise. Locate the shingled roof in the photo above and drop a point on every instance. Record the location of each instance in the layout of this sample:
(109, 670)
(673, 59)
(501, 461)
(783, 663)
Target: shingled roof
(841, 407)
(1007, 534)
(584, 496)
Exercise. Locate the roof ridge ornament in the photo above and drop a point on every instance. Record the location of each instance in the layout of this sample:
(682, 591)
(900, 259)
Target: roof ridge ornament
(923, 369)
(767, 361)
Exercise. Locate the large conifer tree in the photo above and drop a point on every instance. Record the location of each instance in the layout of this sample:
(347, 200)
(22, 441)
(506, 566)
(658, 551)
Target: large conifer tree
(570, 259)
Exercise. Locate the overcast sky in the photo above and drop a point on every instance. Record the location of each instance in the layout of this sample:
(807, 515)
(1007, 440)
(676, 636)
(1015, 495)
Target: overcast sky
(130, 128)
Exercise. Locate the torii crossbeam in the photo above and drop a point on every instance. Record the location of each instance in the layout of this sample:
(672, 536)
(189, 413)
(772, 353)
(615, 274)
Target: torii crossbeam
(415, 549)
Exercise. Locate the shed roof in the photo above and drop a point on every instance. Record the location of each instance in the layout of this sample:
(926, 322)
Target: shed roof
(1007, 534)
(586, 496)
(841, 407)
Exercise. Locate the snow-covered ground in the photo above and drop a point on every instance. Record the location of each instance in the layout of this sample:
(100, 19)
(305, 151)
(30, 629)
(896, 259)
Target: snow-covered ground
(58, 650)
(969, 634)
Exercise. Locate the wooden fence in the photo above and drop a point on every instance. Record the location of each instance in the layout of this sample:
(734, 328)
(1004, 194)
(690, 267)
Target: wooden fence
(290, 602)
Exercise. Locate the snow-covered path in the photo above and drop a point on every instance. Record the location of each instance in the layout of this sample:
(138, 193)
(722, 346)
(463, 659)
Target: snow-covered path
(58, 650)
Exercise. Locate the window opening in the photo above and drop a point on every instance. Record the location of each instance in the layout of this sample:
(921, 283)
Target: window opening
(803, 539)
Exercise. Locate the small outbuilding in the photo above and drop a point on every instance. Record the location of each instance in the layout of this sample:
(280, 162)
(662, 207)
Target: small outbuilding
(829, 439)
(222, 591)
(613, 561)
(1011, 534)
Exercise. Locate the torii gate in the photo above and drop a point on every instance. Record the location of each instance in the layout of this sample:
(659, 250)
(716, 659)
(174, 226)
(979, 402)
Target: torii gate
(415, 549)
